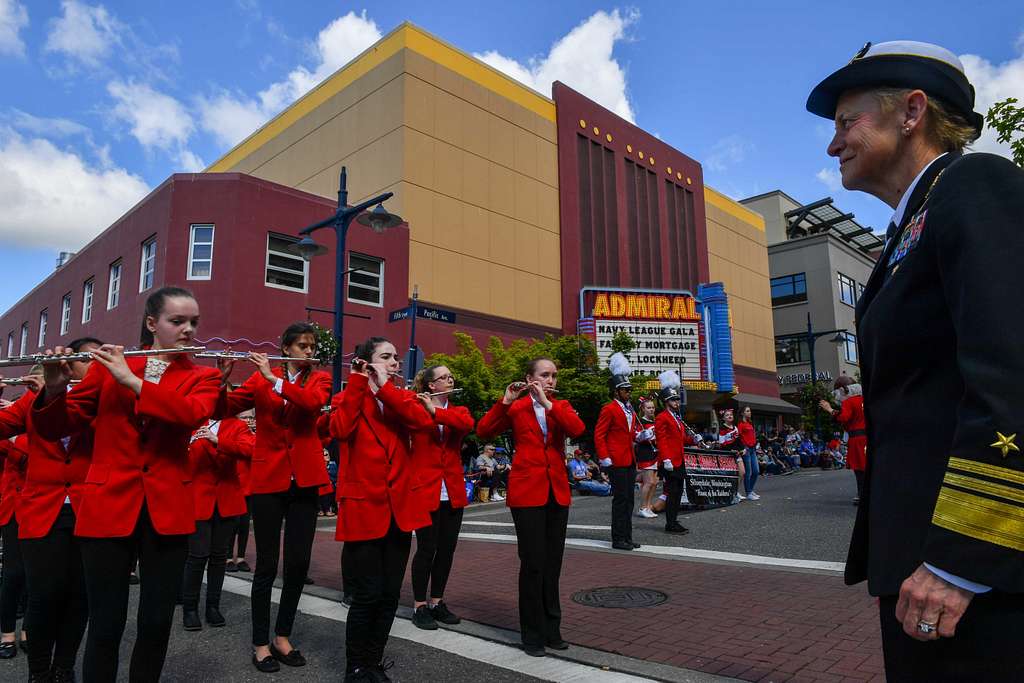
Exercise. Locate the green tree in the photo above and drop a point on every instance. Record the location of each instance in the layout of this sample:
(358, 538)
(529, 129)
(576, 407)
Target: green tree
(622, 343)
(808, 397)
(1007, 119)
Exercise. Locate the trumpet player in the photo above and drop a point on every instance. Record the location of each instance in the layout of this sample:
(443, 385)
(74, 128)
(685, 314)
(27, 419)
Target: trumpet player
(286, 475)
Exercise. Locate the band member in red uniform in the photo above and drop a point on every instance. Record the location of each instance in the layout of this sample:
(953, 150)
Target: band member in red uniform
(729, 440)
(850, 415)
(57, 613)
(15, 463)
(437, 462)
(287, 473)
(219, 499)
(136, 495)
(617, 430)
(538, 494)
(672, 435)
(377, 510)
(240, 541)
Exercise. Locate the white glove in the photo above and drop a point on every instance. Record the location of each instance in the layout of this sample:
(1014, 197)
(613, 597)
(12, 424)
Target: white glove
(668, 465)
(645, 435)
(606, 462)
(698, 438)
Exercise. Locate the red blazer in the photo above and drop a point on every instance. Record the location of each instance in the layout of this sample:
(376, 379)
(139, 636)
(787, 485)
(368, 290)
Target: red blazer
(140, 444)
(671, 437)
(214, 475)
(287, 444)
(15, 462)
(375, 460)
(614, 436)
(436, 457)
(56, 470)
(851, 415)
(539, 464)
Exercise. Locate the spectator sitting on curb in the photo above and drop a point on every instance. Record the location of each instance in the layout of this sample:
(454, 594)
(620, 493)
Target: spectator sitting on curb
(493, 475)
(582, 478)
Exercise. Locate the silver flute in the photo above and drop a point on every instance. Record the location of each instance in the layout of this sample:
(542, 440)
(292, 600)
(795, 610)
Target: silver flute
(244, 355)
(44, 359)
(445, 393)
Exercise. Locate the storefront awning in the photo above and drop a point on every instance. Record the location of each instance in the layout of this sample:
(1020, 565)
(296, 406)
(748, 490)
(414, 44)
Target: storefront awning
(768, 404)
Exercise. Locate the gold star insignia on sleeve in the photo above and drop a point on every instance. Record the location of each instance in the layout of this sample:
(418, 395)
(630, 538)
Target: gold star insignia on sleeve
(1005, 443)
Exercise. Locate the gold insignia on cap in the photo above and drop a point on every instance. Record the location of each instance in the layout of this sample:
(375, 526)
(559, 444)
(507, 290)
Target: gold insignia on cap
(863, 51)
(1005, 443)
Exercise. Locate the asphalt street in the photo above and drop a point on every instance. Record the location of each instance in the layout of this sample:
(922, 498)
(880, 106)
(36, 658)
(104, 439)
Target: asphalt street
(806, 515)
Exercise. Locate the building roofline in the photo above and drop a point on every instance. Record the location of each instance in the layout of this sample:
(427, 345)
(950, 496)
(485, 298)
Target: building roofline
(733, 207)
(768, 194)
(798, 243)
(405, 36)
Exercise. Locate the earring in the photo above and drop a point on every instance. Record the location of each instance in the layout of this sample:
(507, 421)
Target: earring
(906, 131)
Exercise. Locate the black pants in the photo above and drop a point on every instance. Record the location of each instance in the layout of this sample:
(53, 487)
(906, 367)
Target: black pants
(13, 578)
(57, 607)
(673, 491)
(435, 551)
(295, 509)
(373, 572)
(541, 536)
(623, 480)
(494, 481)
(242, 530)
(107, 563)
(207, 547)
(859, 475)
(328, 503)
(984, 648)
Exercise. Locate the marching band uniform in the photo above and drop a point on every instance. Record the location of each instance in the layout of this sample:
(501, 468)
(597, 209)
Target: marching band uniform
(377, 510)
(939, 339)
(56, 616)
(219, 499)
(15, 462)
(437, 463)
(672, 436)
(539, 496)
(286, 473)
(136, 496)
(616, 432)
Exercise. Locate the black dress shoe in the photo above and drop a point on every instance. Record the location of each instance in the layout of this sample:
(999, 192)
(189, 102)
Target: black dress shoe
(346, 600)
(243, 566)
(267, 665)
(23, 645)
(308, 581)
(8, 650)
(45, 677)
(558, 645)
(214, 617)
(59, 675)
(293, 658)
(441, 613)
(622, 545)
(230, 567)
(190, 620)
(534, 650)
(676, 528)
(635, 544)
(361, 675)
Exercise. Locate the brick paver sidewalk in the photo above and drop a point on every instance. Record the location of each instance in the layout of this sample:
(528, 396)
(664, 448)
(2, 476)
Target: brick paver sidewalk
(746, 622)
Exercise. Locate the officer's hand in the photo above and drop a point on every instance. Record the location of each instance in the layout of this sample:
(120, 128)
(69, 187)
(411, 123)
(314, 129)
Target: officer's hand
(606, 462)
(667, 464)
(924, 597)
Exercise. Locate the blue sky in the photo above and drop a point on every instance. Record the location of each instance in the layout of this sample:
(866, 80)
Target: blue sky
(102, 101)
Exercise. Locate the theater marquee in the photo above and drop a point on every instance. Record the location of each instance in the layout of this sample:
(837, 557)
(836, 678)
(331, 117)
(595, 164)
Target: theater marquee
(672, 331)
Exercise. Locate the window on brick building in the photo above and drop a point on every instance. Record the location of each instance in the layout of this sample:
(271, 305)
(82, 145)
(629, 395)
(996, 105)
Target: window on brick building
(366, 285)
(285, 270)
(200, 252)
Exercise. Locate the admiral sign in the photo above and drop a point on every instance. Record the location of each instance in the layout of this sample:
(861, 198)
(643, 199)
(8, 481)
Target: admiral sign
(667, 329)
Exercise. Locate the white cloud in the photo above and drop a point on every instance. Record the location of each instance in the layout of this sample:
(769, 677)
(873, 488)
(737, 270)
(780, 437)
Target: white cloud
(230, 118)
(992, 83)
(582, 59)
(45, 127)
(53, 198)
(728, 151)
(830, 178)
(13, 18)
(157, 121)
(84, 33)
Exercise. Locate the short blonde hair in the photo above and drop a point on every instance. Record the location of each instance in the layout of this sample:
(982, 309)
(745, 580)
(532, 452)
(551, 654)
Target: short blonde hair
(944, 127)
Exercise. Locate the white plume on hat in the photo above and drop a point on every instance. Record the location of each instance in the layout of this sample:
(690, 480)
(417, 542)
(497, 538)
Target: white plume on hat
(619, 364)
(670, 380)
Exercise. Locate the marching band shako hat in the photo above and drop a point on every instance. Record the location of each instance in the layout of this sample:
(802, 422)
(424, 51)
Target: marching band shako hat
(900, 64)
(671, 387)
(621, 371)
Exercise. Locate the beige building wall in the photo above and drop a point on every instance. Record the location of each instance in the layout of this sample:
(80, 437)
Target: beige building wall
(469, 153)
(738, 257)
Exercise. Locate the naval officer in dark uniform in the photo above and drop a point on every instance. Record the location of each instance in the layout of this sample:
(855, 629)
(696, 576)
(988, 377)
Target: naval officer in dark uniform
(940, 531)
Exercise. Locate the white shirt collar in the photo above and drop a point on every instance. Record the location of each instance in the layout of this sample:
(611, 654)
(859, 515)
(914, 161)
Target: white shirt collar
(901, 208)
(292, 376)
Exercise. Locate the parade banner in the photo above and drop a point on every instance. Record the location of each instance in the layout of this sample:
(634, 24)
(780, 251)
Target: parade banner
(712, 478)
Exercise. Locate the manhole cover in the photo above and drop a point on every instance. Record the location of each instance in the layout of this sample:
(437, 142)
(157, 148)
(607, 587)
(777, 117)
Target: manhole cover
(620, 597)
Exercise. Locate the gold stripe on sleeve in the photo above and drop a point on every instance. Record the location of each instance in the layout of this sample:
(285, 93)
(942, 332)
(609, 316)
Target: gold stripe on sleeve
(984, 486)
(994, 471)
(980, 518)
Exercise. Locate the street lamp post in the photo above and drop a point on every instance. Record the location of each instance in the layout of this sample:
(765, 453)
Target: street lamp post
(378, 220)
(812, 336)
